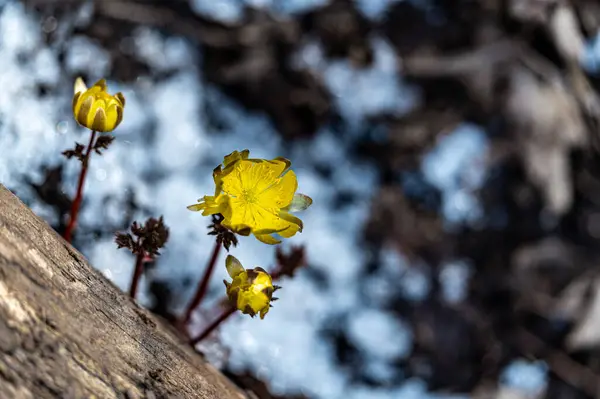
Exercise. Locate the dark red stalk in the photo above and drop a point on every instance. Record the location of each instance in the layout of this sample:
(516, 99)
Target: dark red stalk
(79, 196)
(203, 287)
(137, 274)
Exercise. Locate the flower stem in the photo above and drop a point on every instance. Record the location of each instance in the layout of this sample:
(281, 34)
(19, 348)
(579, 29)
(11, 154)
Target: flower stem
(137, 274)
(78, 197)
(203, 286)
(224, 316)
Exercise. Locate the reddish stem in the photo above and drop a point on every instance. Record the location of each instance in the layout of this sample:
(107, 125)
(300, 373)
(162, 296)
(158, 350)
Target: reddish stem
(78, 197)
(202, 288)
(137, 274)
(224, 316)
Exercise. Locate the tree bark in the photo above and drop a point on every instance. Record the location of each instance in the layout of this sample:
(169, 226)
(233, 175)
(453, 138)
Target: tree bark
(66, 331)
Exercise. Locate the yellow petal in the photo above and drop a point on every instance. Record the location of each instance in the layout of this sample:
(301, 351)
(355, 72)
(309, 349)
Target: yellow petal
(232, 180)
(256, 301)
(79, 86)
(196, 207)
(295, 224)
(231, 158)
(241, 229)
(285, 161)
(112, 117)
(262, 281)
(210, 205)
(276, 167)
(235, 156)
(75, 99)
(290, 231)
(101, 84)
(119, 96)
(83, 110)
(234, 267)
(290, 218)
(97, 103)
(269, 231)
(218, 179)
(269, 176)
(267, 239)
(119, 116)
(251, 215)
(99, 121)
(281, 193)
(264, 311)
(300, 202)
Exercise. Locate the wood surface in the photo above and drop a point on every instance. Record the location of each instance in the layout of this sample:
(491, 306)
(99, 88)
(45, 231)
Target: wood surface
(67, 332)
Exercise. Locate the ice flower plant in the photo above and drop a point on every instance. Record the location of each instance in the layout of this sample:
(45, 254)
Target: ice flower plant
(252, 196)
(98, 111)
(95, 109)
(251, 290)
(255, 196)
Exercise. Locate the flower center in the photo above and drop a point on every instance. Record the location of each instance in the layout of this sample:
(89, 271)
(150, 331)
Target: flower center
(249, 197)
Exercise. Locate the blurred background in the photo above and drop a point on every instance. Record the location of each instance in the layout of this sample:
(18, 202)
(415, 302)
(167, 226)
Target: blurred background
(451, 148)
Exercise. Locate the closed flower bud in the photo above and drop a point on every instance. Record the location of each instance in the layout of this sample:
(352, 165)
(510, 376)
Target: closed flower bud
(251, 290)
(95, 109)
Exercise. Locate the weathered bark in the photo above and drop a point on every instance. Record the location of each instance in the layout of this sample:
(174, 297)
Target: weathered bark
(65, 331)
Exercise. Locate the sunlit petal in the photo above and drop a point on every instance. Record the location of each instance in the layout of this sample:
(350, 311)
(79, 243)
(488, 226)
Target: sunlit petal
(234, 267)
(300, 202)
(79, 86)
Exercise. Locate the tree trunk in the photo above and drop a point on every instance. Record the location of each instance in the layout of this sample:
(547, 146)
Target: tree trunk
(65, 331)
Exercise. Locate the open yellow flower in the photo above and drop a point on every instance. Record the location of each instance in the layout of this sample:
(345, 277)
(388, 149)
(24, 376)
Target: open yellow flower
(95, 109)
(251, 290)
(255, 196)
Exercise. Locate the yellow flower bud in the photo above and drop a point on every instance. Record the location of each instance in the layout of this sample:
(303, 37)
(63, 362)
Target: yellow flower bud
(251, 290)
(95, 109)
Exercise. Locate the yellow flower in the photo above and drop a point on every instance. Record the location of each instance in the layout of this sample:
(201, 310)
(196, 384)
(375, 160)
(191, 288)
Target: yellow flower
(251, 290)
(95, 109)
(255, 196)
